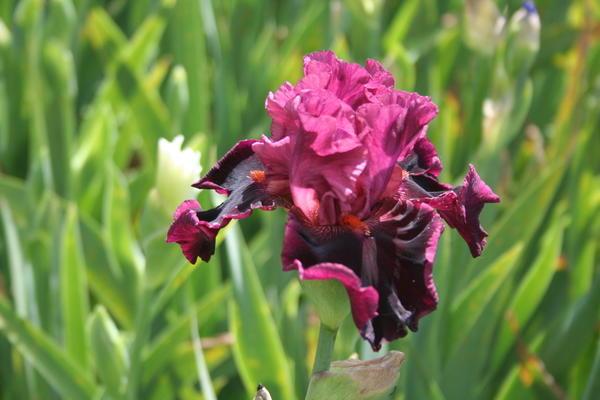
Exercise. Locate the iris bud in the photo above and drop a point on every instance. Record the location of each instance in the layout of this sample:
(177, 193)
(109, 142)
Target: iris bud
(358, 379)
(483, 25)
(329, 299)
(177, 167)
(523, 40)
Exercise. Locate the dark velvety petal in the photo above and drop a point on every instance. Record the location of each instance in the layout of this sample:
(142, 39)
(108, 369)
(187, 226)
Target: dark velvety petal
(406, 238)
(394, 255)
(460, 207)
(363, 300)
(423, 159)
(327, 252)
(313, 245)
(195, 238)
(463, 212)
(240, 175)
(231, 169)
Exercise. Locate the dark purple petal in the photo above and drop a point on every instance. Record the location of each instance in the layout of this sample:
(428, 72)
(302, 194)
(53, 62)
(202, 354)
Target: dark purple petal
(240, 175)
(423, 159)
(460, 207)
(313, 245)
(231, 169)
(336, 253)
(394, 254)
(363, 300)
(194, 237)
(406, 238)
(464, 214)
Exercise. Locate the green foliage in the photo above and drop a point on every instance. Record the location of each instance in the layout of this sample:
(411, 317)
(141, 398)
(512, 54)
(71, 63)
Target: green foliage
(94, 303)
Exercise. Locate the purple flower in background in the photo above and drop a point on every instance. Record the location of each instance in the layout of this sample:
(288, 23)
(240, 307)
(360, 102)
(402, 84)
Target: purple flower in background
(349, 159)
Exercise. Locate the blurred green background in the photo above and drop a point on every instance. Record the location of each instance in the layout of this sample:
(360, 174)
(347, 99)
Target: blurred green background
(94, 304)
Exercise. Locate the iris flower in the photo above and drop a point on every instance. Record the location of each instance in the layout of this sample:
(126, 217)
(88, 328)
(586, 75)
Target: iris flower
(349, 160)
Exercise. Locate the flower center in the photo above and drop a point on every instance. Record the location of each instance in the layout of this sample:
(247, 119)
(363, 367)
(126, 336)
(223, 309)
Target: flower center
(354, 223)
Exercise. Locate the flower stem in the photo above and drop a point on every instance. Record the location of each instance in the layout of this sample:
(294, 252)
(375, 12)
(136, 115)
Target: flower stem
(324, 349)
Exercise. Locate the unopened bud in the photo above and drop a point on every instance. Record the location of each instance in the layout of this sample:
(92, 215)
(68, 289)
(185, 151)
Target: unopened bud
(329, 299)
(523, 41)
(177, 167)
(357, 379)
(483, 25)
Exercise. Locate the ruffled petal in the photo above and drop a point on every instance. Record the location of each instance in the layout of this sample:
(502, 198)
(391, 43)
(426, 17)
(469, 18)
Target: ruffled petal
(461, 211)
(329, 121)
(423, 159)
(379, 75)
(393, 253)
(460, 206)
(195, 238)
(240, 175)
(323, 70)
(406, 239)
(232, 169)
(295, 170)
(383, 137)
(283, 121)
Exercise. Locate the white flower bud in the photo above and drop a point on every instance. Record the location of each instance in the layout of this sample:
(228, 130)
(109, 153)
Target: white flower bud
(483, 25)
(177, 169)
(523, 41)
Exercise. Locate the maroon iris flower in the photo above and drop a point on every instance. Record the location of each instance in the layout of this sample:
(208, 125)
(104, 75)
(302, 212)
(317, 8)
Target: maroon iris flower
(349, 159)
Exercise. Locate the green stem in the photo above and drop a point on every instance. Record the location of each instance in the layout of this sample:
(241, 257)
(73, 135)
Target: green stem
(324, 349)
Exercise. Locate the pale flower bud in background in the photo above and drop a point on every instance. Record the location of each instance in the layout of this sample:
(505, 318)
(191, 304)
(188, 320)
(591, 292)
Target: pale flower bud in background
(357, 379)
(177, 167)
(483, 25)
(523, 40)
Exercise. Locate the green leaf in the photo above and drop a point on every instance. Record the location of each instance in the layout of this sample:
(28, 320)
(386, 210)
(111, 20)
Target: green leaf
(73, 282)
(67, 378)
(104, 275)
(158, 353)
(109, 351)
(593, 385)
(511, 226)
(474, 299)
(513, 386)
(259, 356)
(208, 391)
(188, 46)
(531, 291)
(576, 332)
